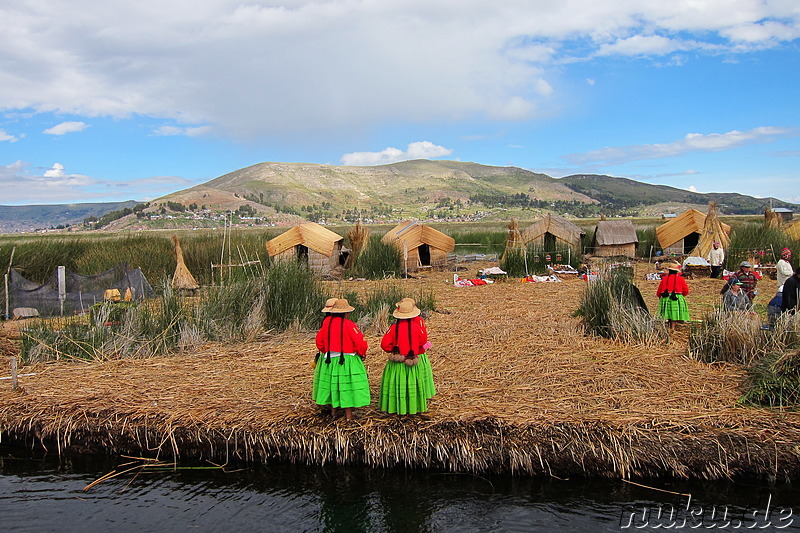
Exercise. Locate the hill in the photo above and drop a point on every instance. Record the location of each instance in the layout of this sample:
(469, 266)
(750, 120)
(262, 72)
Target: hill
(18, 218)
(624, 193)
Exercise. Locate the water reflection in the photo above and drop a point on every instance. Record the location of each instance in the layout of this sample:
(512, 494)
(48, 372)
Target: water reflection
(45, 494)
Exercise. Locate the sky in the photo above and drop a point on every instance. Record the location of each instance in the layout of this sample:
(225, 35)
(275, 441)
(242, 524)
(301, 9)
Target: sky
(107, 100)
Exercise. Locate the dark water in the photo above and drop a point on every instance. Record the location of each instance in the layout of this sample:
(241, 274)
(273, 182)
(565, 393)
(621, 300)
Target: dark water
(40, 494)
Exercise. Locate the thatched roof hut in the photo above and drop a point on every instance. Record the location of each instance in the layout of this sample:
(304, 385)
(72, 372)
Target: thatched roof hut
(614, 237)
(425, 245)
(552, 231)
(684, 233)
(311, 243)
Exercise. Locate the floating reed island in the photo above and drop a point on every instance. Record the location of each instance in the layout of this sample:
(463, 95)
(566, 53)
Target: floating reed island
(521, 389)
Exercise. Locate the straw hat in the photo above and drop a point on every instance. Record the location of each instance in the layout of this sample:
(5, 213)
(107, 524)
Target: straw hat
(406, 308)
(328, 304)
(672, 265)
(341, 306)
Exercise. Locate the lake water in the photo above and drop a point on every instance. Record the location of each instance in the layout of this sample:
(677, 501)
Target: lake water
(41, 494)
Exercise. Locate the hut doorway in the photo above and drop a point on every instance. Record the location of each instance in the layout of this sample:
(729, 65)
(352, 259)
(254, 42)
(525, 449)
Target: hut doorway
(549, 242)
(302, 253)
(424, 255)
(690, 242)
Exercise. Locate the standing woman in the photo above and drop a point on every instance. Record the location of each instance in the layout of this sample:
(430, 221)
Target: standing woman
(672, 292)
(326, 315)
(784, 267)
(407, 381)
(341, 378)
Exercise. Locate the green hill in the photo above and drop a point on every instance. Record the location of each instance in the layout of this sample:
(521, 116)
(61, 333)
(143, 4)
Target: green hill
(623, 193)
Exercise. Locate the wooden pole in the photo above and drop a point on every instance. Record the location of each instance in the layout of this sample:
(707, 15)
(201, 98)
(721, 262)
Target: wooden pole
(14, 383)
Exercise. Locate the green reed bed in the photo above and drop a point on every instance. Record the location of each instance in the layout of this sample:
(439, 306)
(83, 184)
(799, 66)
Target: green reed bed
(612, 307)
(242, 307)
(378, 260)
(37, 258)
(375, 307)
(750, 240)
(648, 242)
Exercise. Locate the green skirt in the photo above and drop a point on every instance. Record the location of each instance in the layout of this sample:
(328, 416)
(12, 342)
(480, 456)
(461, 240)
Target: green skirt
(405, 390)
(341, 385)
(670, 309)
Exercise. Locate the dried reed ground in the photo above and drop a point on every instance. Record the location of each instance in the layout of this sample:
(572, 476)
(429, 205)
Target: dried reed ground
(521, 389)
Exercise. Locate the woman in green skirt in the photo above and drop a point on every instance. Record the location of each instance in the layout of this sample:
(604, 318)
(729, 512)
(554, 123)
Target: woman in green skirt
(672, 292)
(407, 381)
(340, 379)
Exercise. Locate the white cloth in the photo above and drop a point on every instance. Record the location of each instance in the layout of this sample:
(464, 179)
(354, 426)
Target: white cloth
(784, 270)
(716, 256)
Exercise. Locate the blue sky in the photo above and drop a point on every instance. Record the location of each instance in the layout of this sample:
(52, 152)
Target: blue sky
(132, 100)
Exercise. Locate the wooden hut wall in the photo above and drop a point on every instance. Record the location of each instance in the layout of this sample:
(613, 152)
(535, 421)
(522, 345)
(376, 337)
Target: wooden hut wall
(323, 264)
(675, 248)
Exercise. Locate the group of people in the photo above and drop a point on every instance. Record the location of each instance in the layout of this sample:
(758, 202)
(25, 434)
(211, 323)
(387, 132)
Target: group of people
(738, 292)
(340, 377)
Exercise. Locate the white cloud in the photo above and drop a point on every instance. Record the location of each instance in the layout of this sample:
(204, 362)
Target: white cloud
(213, 62)
(415, 150)
(166, 131)
(7, 137)
(22, 186)
(66, 127)
(692, 142)
(691, 188)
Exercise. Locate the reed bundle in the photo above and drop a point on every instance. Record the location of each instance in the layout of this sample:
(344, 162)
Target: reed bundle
(521, 389)
(182, 279)
(358, 237)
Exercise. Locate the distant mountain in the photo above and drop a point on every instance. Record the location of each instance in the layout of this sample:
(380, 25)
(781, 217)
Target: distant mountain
(285, 193)
(18, 218)
(627, 193)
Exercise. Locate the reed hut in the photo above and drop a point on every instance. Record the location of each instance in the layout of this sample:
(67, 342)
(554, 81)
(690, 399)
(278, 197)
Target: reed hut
(309, 243)
(691, 233)
(614, 238)
(421, 245)
(553, 231)
(182, 280)
(784, 213)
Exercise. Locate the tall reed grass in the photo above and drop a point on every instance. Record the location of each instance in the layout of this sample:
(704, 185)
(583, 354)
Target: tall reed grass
(770, 355)
(241, 308)
(379, 260)
(749, 240)
(612, 307)
(37, 258)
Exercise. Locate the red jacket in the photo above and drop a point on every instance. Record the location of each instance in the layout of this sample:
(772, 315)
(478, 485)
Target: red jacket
(398, 335)
(672, 283)
(338, 334)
